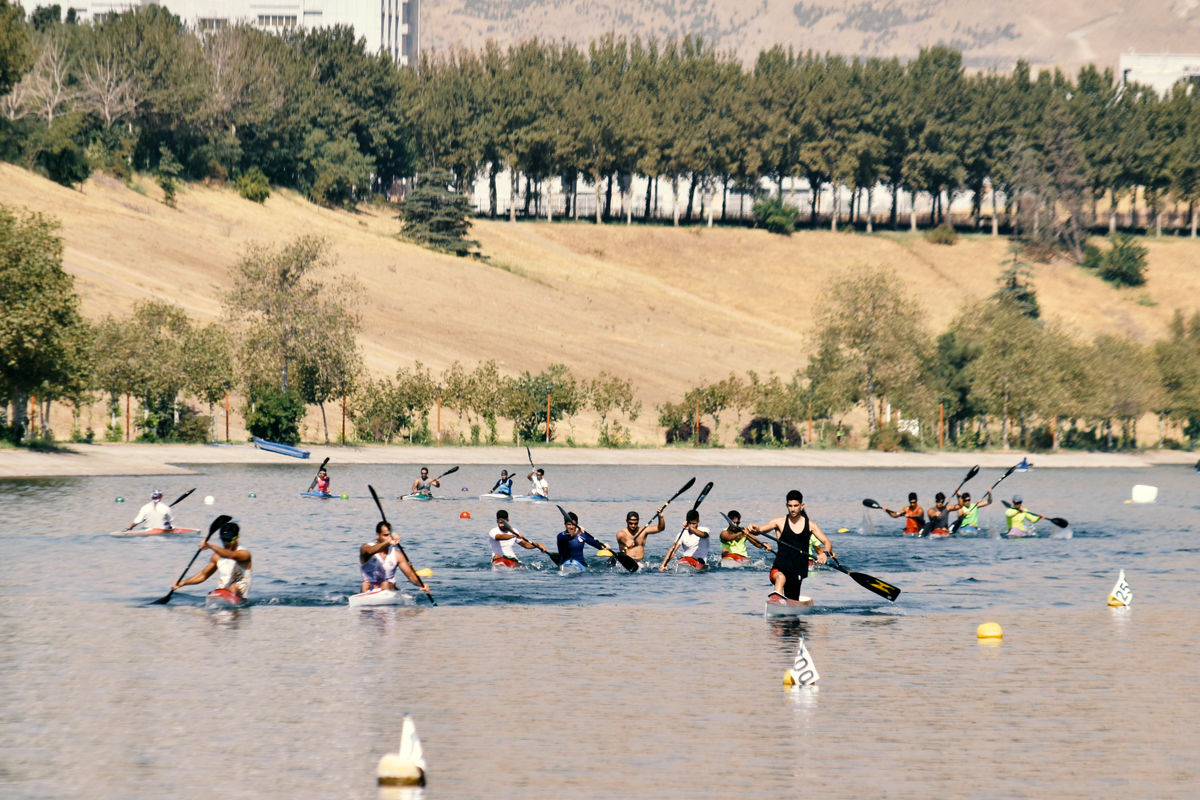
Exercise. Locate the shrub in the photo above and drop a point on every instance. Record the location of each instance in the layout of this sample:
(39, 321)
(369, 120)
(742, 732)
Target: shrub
(890, 439)
(1125, 263)
(683, 433)
(775, 216)
(193, 427)
(167, 175)
(761, 430)
(942, 234)
(1092, 257)
(274, 416)
(253, 185)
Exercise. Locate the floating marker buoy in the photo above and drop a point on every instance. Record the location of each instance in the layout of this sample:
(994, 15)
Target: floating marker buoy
(464, 489)
(209, 500)
(465, 515)
(344, 496)
(1121, 594)
(803, 671)
(252, 494)
(1144, 494)
(120, 500)
(989, 630)
(407, 767)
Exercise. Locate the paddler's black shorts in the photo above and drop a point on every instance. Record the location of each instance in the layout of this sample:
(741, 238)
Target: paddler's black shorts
(791, 584)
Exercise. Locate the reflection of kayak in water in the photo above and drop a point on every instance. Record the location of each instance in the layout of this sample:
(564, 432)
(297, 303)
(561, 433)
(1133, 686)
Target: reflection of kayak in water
(223, 598)
(154, 532)
(379, 597)
(779, 606)
(533, 498)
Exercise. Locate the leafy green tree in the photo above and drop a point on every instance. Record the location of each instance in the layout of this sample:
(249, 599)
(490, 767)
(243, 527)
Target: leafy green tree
(1125, 263)
(436, 216)
(608, 394)
(1178, 360)
(274, 415)
(15, 55)
(1016, 284)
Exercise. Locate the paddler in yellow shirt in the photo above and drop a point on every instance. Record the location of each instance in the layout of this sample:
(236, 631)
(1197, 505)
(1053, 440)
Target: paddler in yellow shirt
(1016, 517)
(734, 538)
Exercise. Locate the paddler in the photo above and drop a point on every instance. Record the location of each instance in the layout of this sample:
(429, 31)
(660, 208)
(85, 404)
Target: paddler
(791, 557)
(1016, 517)
(322, 482)
(154, 515)
(537, 483)
(692, 544)
(938, 523)
(632, 538)
(504, 539)
(504, 484)
(572, 539)
(422, 485)
(968, 512)
(734, 538)
(229, 560)
(914, 516)
(380, 560)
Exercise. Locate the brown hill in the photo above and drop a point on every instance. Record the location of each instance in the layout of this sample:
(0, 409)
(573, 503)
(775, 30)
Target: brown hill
(990, 35)
(668, 308)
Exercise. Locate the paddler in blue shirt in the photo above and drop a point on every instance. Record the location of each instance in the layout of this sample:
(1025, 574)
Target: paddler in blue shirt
(572, 540)
(968, 512)
(504, 484)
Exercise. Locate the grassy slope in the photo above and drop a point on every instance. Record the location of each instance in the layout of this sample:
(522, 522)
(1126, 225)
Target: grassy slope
(670, 308)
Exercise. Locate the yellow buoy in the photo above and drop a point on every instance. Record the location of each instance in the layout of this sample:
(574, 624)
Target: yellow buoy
(989, 630)
(1114, 602)
(397, 770)
(789, 678)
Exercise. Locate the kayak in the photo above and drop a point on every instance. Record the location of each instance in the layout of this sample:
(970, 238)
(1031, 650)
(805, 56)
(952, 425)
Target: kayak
(1016, 534)
(154, 532)
(531, 498)
(505, 564)
(689, 566)
(223, 598)
(779, 606)
(276, 447)
(379, 597)
(939, 533)
(319, 495)
(968, 530)
(417, 496)
(571, 567)
(734, 561)
(495, 496)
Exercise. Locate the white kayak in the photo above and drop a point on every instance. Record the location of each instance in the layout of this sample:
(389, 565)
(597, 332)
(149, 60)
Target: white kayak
(495, 496)
(531, 498)
(379, 597)
(779, 606)
(155, 532)
(223, 598)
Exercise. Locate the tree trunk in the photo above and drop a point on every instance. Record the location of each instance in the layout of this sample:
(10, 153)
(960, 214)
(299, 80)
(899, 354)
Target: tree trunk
(649, 192)
(608, 197)
(724, 198)
(912, 213)
(1112, 212)
(708, 202)
(549, 199)
(512, 194)
(492, 169)
(872, 422)
(834, 201)
(675, 198)
(598, 183)
(871, 208)
(691, 199)
(995, 214)
(894, 216)
(324, 421)
(1192, 205)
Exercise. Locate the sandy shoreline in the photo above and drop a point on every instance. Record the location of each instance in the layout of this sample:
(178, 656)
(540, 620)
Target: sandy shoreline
(173, 459)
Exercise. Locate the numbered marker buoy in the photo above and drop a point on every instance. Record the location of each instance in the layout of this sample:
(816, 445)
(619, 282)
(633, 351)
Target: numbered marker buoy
(803, 671)
(209, 500)
(407, 767)
(1121, 594)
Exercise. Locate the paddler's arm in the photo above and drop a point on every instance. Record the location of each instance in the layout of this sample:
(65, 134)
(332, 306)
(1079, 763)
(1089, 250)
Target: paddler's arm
(405, 567)
(200, 577)
(241, 556)
(528, 545)
(659, 526)
(667, 560)
(822, 554)
(367, 550)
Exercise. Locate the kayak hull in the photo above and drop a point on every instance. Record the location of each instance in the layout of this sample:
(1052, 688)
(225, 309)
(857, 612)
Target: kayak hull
(495, 496)
(531, 498)
(378, 597)
(318, 495)
(734, 561)
(416, 497)
(223, 598)
(689, 566)
(155, 532)
(281, 449)
(779, 606)
(505, 564)
(570, 568)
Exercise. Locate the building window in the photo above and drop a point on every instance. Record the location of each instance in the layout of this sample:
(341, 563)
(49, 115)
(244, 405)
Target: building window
(277, 20)
(210, 24)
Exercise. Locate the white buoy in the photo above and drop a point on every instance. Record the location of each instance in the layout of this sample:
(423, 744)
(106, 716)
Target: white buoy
(1144, 494)
(407, 767)
(209, 500)
(803, 671)
(1121, 594)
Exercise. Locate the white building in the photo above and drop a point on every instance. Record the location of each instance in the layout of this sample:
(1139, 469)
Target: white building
(1159, 71)
(392, 27)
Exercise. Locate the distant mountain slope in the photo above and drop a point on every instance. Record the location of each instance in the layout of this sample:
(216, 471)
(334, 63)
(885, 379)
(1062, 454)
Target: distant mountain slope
(1067, 34)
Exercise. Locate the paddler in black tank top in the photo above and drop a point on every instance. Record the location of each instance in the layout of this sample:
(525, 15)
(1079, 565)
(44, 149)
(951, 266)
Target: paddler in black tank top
(791, 562)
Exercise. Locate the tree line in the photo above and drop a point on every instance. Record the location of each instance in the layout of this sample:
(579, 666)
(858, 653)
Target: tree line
(311, 109)
(998, 375)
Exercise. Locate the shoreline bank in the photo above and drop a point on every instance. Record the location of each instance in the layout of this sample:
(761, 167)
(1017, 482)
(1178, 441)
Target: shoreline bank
(78, 460)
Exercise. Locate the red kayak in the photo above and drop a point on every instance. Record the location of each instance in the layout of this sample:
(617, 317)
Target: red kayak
(223, 598)
(154, 532)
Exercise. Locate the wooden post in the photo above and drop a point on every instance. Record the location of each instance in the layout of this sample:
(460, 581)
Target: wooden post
(33, 420)
(697, 418)
(343, 416)
(810, 423)
(127, 416)
(226, 416)
(941, 424)
(439, 420)
(547, 417)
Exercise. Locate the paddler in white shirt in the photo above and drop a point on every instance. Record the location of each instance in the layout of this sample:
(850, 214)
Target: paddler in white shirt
(380, 560)
(538, 485)
(504, 539)
(632, 538)
(229, 560)
(155, 514)
(692, 544)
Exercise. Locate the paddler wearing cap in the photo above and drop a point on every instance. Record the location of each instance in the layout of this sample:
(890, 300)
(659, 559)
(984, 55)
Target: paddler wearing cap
(1016, 517)
(504, 539)
(503, 484)
(572, 539)
(155, 514)
(229, 560)
(632, 538)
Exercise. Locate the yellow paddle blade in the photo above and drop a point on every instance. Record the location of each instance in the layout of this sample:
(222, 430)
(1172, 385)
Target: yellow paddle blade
(843, 530)
(604, 553)
(425, 573)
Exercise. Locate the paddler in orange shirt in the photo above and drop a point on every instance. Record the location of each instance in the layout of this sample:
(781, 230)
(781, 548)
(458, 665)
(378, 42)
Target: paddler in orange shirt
(914, 516)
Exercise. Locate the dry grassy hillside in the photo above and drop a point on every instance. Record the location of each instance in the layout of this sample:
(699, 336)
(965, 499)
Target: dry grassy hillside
(669, 308)
(990, 35)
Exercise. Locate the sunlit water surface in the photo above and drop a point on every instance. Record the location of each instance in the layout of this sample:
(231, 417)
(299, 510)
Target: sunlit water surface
(609, 685)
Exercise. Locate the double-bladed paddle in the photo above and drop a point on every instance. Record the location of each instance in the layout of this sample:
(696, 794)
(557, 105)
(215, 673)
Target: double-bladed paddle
(212, 528)
(735, 528)
(699, 499)
(954, 526)
(505, 527)
(881, 588)
(951, 528)
(313, 484)
(399, 546)
(674, 497)
(1059, 521)
(625, 561)
(176, 502)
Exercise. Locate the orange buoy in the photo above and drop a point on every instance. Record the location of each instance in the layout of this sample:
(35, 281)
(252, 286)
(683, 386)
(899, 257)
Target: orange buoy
(465, 515)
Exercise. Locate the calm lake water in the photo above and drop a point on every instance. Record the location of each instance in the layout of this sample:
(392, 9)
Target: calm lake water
(610, 685)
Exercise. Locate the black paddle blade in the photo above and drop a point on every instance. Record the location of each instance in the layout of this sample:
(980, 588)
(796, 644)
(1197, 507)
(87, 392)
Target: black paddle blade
(529, 455)
(869, 503)
(881, 588)
(378, 504)
(556, 558)
(450, 471)
(626, 561)
(218, 523)
(685, 487)
(1059, 521)
(182, 497)
(703, 494)
(313, 483)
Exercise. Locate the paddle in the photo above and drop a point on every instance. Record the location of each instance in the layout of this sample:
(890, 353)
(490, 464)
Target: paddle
(450, 471)
(504, 526)
(529, 455)
(313, 485)
(213, 528)
(399, 547)
(735, 528)
(869, 503)
(178, 500)
(625, 561)
(951, 528)
(881, 588)
(674, 497)
(954, 526)
(1059, 521)
(699, 499)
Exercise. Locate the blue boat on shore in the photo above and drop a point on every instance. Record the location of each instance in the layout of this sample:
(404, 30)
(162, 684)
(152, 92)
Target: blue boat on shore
(276, 447)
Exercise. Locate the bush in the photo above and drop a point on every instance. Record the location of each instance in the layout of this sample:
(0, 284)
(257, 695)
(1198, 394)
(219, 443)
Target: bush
(761, 430)
(167, 176)
(942, 234)
(683, 433)
(253, 185)
(1093, 258)
(1125, 263)
(193, 427)
(775, 216)
(274, 416)
(891, 439)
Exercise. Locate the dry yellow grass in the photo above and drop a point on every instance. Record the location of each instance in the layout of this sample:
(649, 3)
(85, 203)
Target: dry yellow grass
(669, 308)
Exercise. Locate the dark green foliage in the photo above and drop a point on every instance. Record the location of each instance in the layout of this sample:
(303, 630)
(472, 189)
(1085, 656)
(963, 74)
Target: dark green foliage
(775, 216)
(167, 174)
(193, 427)
(275, 416)
(253, 185)
(942, 234)
(435, 215)
(1093, 257)
(1016, 284)
(15, 56)
(1125, 263)
(890, 439)
(55, 152)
